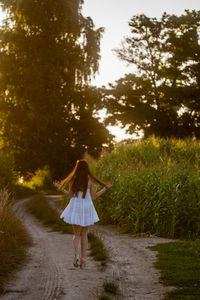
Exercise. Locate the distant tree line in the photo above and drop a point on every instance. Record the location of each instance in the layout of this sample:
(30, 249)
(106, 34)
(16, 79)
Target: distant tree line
(48, 109)
(162, 96)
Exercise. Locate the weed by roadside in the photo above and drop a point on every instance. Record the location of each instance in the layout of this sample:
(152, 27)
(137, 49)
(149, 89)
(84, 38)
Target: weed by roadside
(109, 287)
(14, 240)
(98, 251)
(40, 207)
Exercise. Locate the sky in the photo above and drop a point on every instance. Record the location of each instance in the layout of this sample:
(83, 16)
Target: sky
(114, 16)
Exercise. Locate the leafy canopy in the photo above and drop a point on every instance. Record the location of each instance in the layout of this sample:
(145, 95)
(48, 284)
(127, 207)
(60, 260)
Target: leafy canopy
(162, 96)
(49, 52)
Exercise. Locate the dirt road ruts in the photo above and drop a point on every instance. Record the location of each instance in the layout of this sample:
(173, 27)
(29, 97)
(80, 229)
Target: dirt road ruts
(131, 262)
(49, 274)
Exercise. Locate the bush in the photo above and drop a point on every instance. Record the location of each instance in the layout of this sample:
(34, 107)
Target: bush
(42, 179)
(110, 287)
(8, 175)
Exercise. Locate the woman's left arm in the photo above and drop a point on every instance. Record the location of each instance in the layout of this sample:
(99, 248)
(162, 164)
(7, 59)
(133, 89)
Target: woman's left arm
(94, 194)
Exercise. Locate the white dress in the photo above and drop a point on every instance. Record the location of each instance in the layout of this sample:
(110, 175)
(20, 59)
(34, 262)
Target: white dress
(80, 211)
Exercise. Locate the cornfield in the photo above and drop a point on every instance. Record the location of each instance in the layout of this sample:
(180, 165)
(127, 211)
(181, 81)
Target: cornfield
(156, 187)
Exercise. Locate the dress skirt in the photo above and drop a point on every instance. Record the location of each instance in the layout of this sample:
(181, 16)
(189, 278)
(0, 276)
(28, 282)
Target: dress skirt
(80, 211)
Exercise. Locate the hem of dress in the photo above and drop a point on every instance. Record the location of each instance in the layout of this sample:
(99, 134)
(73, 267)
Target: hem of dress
(80, 224)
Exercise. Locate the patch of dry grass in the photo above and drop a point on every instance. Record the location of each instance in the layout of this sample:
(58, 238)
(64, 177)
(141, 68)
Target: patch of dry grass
(13, 239)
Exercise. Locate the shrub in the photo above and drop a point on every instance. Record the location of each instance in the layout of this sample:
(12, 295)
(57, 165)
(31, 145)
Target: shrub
(110, 287)
(8, 175)
(42, 179)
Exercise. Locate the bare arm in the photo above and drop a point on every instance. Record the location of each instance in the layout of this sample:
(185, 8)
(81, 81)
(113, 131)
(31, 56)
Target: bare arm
(95, 194)
(57, 184)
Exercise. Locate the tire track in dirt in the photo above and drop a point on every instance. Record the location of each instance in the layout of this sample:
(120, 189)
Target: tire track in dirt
(131, 262)
(49, 273)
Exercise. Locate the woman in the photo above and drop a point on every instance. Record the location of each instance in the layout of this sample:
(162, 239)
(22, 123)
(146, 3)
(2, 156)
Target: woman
(80, 211)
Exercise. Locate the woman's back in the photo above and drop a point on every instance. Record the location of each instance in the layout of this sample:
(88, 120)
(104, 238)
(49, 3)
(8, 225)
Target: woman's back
(80, 210)
(80, 193)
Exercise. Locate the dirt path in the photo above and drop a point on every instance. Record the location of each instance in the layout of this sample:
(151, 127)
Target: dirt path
(132, 263)
(49, 274)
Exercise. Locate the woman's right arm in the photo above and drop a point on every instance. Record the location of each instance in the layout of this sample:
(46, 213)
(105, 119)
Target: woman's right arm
(95, 194)
(57, 184)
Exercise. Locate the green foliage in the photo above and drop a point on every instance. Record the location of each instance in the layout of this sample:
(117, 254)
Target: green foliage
(14, 239)
(40, 207)
(156, 187)
(179, 263)
(8, 175)
(40, 180)
(110, 287)
(49, 51)
(19, 191)
(162, 97)
(97, 248)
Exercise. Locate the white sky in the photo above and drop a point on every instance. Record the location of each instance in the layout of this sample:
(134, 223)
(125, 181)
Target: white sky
(114, 16)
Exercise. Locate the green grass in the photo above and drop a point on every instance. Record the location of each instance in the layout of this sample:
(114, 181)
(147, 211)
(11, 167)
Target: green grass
(110, 287)
(20, 191)
(97, 249)
(40, 207)
(179, 263)
(14, 240)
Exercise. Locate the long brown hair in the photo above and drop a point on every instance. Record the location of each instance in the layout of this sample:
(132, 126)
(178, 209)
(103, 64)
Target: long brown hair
(79, 178)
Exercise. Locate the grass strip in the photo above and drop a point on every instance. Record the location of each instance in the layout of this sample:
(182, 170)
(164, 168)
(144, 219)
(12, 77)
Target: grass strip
(98, 251)
(14, 240)
(179, 263)
(40, 208)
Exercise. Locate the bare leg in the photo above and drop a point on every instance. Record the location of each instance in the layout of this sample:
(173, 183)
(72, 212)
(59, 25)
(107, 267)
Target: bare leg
(77, 238)
(84, 242)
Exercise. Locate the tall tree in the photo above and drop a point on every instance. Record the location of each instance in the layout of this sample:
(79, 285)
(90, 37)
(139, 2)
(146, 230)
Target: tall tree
(48, 53)
(163, 96)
